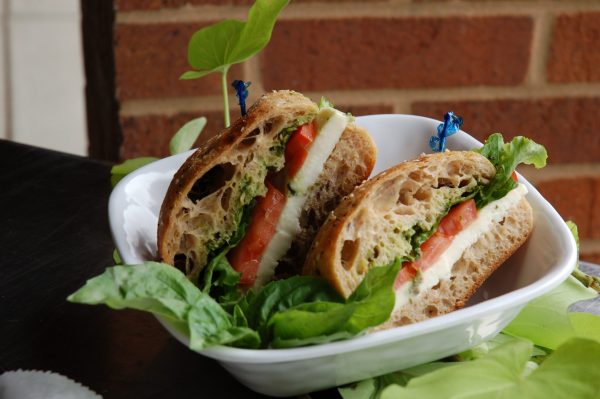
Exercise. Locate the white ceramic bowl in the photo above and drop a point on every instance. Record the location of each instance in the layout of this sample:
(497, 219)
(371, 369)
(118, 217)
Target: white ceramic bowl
(540, 265)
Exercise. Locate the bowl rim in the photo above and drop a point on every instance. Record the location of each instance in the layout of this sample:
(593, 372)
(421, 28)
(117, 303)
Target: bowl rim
(516, 298)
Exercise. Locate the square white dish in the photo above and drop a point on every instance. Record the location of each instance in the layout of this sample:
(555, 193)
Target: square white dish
(540, 265)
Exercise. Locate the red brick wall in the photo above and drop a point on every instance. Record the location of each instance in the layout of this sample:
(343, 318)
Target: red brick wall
(518, 67)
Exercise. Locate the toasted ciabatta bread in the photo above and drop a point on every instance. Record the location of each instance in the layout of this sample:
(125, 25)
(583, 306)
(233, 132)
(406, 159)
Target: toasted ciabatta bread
(374, 225)
(202, 206)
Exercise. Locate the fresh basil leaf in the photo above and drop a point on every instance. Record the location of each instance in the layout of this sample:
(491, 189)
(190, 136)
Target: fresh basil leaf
(164, 290)
(371, 304)
(239, 318)
(218, 278)
(189, 75)
(220, 281)
(311, 323)
(545, 320)
(154, 287)
(121, 170)
(311, 340)
(280, 295)
(217, 47)
(185, 137)
(210, 325)
(210, 47)
(256, 33)
(116, 257)
(505, 158)
(571, 371)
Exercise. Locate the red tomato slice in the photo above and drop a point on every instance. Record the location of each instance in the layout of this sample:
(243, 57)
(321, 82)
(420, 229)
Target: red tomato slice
(514, 176)
(459, 217)
(297, 147)
(405, 274)
(246, 256)
(431, 250)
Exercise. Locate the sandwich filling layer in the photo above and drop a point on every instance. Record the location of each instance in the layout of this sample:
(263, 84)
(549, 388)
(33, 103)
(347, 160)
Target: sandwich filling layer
(330, 124)
(441, 268)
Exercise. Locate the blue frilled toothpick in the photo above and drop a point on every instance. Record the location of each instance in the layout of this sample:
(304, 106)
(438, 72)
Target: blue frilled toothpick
(451, 125)
(241, 91)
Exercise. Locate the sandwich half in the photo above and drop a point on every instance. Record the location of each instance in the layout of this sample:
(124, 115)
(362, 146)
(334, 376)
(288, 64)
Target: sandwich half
(451, 218)
(262, 187)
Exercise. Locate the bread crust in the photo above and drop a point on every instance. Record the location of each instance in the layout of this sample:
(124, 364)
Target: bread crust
(347, 222)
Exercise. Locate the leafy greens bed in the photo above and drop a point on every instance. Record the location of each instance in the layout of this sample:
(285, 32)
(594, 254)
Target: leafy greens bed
(296, 311)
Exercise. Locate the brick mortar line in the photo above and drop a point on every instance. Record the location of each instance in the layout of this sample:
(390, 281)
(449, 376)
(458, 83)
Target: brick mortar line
(560, 171)
(474, 93)
(252, 73)
(540, 48)
(171, 106)
(356, 10)
(398, 98)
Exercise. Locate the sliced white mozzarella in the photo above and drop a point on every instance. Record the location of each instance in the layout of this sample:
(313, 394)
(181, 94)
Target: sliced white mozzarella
(492, 213)
(330, 131)
(330, 124)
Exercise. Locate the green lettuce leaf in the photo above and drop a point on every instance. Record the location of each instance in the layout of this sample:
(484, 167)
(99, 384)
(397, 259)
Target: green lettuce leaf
(180, 142)
(570, 372)
(505, 158)
(117, 172)
(546, 320)
(185, 137)
(165, 291)
(371, 304)
(281, 295)
(219, 279)
(585, 317)
(373, 387)
(484, 348)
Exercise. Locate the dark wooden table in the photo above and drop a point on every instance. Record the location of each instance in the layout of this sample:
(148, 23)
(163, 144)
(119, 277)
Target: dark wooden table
(54, 236)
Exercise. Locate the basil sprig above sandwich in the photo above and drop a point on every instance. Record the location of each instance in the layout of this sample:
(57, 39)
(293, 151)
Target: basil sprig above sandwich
(452, 218)
(254, 196)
